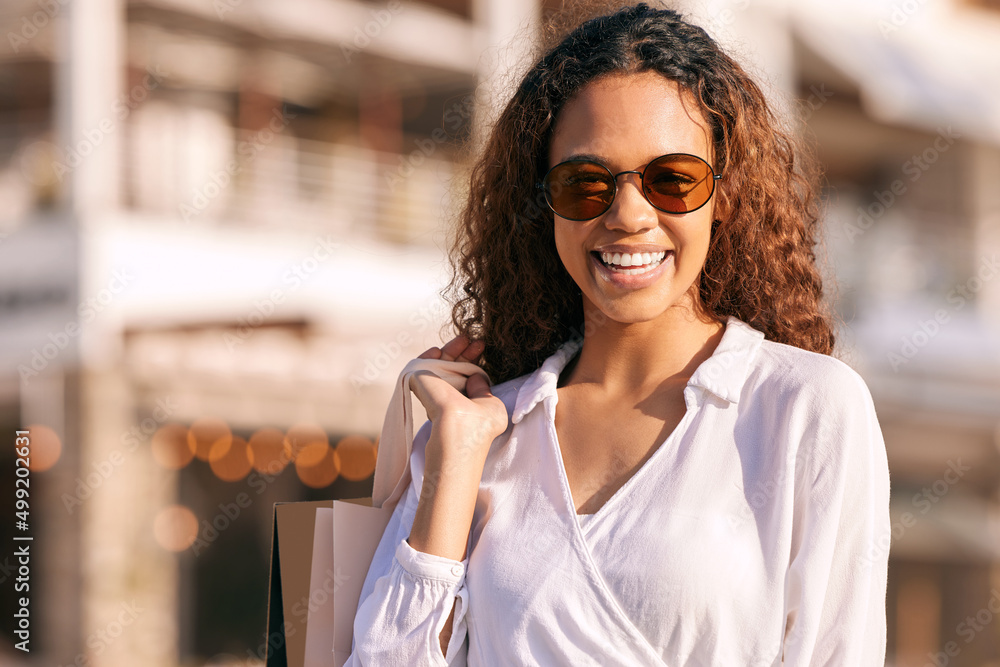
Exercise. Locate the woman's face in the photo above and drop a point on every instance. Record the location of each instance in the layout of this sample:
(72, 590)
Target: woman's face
(624, 122)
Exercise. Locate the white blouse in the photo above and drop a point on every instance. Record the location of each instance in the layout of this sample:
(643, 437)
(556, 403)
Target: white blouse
(757, 534)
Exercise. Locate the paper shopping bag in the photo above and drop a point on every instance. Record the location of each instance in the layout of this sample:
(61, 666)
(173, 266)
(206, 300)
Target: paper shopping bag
(311, 555)
(314, 579)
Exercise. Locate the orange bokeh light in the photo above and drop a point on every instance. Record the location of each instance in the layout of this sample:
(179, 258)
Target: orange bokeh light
(301, 436)
(175, 528)
(230, 460)
(44, 449)
(355, 456)
(170, 446)
(207, 432)
(269, 451)
(316, 465)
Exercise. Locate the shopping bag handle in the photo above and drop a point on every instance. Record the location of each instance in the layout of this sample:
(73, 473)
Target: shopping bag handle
(392, 468)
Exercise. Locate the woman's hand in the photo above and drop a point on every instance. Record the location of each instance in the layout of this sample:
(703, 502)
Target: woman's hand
(463, 425)
(471, 419)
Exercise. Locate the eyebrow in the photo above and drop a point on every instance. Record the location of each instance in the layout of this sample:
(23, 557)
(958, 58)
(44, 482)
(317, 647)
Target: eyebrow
(587, 156)
(605, 161)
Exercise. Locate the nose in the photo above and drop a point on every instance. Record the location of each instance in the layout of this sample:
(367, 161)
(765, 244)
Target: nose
(630, 211)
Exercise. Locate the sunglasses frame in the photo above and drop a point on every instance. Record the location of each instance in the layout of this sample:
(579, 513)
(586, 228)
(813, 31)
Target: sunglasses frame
(614, 182)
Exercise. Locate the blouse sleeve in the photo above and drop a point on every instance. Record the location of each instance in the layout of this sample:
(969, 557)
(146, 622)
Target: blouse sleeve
(836, 581)
(408, 595)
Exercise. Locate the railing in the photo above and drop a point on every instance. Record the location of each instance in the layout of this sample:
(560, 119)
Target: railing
(212, 176)
(287, 181)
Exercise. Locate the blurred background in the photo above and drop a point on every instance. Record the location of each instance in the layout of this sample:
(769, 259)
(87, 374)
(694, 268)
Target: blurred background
(222, 235)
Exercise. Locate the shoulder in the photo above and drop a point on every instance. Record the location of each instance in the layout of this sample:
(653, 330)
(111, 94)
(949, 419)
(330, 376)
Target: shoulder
(809, 397)
(817, 402)
(799, 376)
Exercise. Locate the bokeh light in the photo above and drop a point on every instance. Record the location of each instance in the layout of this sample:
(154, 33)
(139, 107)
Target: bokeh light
(170, 447)
(269, 451)
(300, 436)
(45, 448)
(175, 528)
(205, 433)
(355, 457)
(316, 465)
(230, 459)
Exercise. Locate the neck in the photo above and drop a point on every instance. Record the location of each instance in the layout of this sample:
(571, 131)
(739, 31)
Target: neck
(638, 358)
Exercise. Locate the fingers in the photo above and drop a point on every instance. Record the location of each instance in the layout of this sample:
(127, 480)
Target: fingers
(417, 374)
(461, 349)
(454, 348)
(457, 349)
(473, 351)
(428, 392)
(477, 387)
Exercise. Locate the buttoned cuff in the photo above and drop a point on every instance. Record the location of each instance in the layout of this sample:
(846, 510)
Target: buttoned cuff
(429, 566)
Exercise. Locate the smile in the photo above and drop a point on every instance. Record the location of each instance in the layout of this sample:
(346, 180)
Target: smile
(631, 265)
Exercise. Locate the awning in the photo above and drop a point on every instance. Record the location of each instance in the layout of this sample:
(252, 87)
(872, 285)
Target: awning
(933, 68)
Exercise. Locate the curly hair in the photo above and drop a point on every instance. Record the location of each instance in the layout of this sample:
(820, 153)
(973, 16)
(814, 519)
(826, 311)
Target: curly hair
(508, 284)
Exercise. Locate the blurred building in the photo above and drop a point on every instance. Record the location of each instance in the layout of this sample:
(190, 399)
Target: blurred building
(900, 100)
(222, 234)
(223, 222)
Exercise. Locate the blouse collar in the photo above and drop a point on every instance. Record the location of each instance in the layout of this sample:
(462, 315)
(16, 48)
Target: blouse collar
(723, 374)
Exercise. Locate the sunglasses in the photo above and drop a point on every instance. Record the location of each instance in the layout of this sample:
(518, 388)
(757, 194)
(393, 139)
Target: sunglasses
(582, 189)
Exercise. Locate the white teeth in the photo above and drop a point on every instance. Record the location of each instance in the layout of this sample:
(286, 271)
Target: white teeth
(619, 262)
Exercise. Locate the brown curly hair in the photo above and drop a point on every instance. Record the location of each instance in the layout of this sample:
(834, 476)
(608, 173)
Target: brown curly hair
(508, 285)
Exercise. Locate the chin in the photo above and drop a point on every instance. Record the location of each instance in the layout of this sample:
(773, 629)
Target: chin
(635, 312)
(645, 306)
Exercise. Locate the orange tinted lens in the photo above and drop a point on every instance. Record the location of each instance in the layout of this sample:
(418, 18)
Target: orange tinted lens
(579, 190)
(678, 183)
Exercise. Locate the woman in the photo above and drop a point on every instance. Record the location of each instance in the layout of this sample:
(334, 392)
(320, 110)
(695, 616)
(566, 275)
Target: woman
(671, 470)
